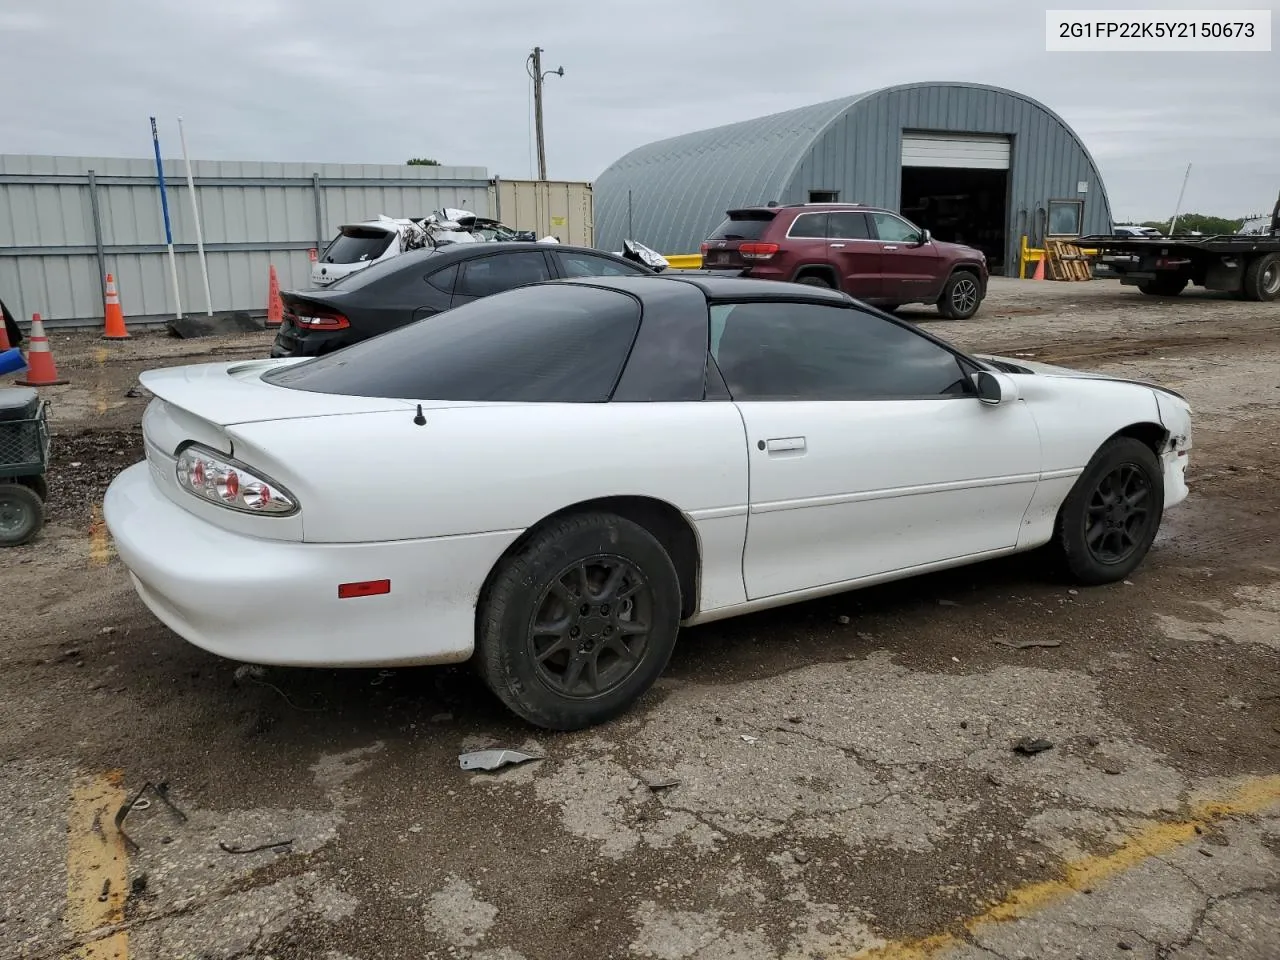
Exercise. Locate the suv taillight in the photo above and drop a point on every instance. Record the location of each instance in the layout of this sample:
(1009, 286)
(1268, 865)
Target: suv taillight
(757, 251)
(318, 318)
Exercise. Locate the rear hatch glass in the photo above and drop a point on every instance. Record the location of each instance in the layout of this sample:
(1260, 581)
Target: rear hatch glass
(358, 245)
(738, 227)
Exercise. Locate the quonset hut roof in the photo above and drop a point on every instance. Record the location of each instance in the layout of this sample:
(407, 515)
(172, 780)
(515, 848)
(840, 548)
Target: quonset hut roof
(675, 183)
(669, 194)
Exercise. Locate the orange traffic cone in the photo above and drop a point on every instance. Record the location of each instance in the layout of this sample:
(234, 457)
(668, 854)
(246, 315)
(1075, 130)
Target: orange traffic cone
(4, 333)
(275, 308)
(1039, 274)
(41, 372)
(114, 327)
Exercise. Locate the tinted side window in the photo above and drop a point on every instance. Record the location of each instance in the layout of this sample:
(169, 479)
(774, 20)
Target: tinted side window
(809, 226)
(894, 229)
(485, 276)
(585, 265)
(548, 344)
(443, 280)
(801, 351)
(848, 226)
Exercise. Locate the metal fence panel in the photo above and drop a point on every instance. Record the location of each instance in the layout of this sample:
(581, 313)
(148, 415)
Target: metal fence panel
(252, 215)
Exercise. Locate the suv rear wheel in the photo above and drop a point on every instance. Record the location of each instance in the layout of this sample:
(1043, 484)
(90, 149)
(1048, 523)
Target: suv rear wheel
(961, 296)
(813, 280)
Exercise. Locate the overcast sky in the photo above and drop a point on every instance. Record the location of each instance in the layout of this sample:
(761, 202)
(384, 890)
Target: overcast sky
(384, 80)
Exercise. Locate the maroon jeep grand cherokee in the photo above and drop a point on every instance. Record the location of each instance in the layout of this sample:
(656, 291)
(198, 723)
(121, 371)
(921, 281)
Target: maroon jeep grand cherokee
(871, 254)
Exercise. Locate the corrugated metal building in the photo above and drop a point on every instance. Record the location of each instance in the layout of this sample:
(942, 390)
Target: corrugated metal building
(65, 221)
(976, 164)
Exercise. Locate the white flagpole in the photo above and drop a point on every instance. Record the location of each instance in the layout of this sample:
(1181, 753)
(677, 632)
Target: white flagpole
(195, 212)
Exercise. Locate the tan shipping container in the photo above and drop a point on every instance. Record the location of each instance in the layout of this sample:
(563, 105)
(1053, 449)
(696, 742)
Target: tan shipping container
(557, 208)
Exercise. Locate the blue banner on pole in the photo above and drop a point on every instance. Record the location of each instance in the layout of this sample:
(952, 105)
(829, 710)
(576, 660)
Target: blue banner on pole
(164, 197)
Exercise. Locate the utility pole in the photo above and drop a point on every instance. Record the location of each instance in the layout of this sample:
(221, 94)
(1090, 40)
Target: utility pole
(534, 65)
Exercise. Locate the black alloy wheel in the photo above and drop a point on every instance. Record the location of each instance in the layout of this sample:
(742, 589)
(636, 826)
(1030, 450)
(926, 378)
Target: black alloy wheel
(591, 627)
(1119, 515)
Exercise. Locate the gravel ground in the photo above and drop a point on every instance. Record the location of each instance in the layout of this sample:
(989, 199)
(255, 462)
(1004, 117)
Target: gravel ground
(846, 783)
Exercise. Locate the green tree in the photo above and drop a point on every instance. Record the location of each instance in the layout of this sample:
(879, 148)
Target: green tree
(1189, 222)
(422, 162)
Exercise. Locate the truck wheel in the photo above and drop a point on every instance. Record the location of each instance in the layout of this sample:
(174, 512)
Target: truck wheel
(1262, 278)
(961, 296)
(21, 514)
(1164, 286)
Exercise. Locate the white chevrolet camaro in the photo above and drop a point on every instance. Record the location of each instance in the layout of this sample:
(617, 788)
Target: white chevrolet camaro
(554, 479)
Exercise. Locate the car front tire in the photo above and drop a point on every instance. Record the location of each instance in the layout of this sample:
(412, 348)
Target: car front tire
(1110, 518)
(580, 622)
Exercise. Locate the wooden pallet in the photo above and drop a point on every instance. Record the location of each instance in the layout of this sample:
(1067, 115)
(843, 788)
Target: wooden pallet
(1065, 261)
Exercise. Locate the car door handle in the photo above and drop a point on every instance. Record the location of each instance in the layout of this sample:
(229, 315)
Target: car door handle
(836, 246)
(887, 247)
(785, 445)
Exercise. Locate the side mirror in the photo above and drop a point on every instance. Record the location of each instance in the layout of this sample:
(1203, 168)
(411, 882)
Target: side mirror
(994, 388)
(925, 237)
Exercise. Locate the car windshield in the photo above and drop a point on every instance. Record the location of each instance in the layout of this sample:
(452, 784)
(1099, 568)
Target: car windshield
(549, 343)
(357, 245)
(742, 226)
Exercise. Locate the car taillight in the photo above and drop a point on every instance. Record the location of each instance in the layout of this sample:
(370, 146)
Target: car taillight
(215, 478)
(318, 318)
(703, 248)
(757, 251)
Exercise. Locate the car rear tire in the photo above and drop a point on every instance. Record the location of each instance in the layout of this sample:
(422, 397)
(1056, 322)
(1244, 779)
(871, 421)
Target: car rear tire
(21, 514)
(1262, 278)
(1164, 286)
(815, 281)
(1110, 518)
(961, 296)
(580, 622)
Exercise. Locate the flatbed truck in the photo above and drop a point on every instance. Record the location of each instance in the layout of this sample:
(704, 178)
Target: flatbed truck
(1247, 267)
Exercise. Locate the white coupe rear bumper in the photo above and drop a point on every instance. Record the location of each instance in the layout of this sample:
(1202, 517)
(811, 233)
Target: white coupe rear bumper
(276, 602)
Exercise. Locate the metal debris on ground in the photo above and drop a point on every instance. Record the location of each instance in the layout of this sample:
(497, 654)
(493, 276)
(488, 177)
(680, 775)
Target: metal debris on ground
(161, 790)
(1029, 746)
(746, 738)
(655, 781)
(227, 848)
(493, 759)
(1027, 644)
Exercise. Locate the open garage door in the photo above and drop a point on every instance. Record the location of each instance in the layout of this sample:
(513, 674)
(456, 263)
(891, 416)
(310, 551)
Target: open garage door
(957, 185)
(972, 151)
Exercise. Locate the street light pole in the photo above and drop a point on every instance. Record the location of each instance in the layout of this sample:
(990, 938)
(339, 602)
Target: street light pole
(534, 64)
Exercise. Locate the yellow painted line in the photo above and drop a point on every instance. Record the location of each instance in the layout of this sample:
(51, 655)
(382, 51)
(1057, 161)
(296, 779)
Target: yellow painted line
(97, 868)
(1085, 873)
(100, 404)
(99, 542)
